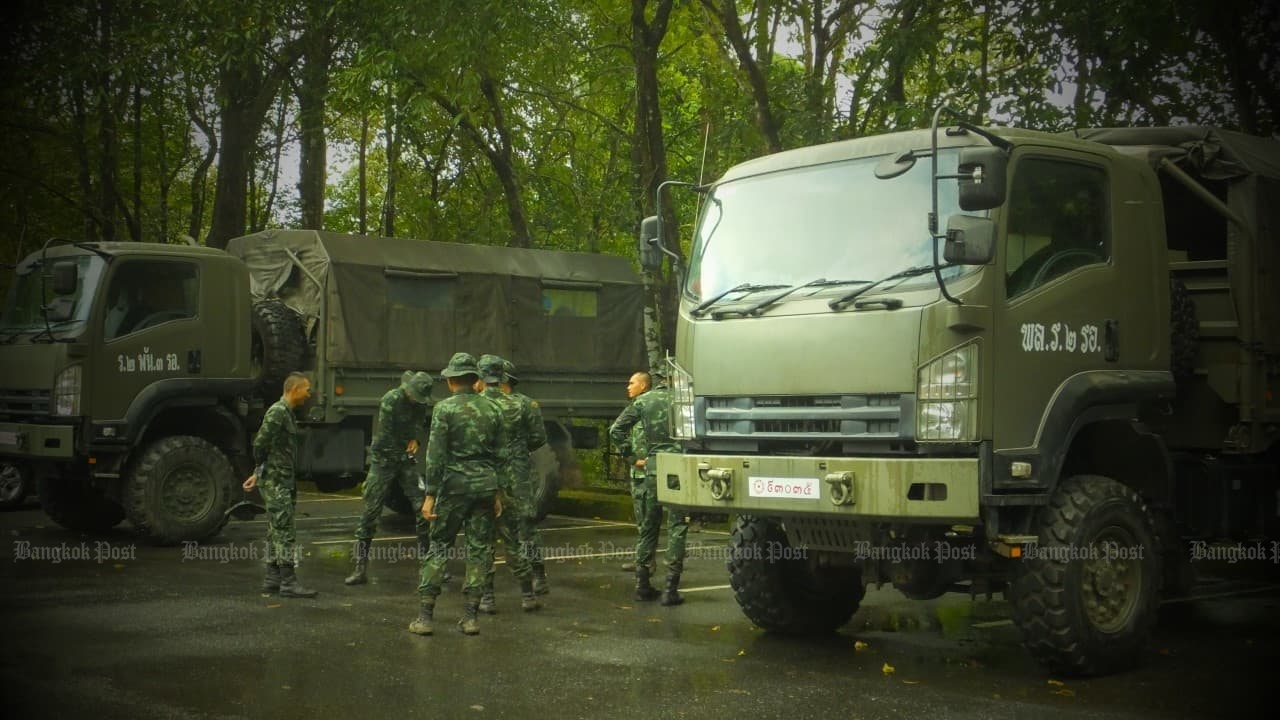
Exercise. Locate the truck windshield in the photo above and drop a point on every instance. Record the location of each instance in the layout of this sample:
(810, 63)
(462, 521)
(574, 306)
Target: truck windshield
(836, 220)
(29, 292)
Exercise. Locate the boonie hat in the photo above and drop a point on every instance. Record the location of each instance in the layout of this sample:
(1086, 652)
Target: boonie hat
(509, 369)
(490, 367)
(417, 385)
(459, 365)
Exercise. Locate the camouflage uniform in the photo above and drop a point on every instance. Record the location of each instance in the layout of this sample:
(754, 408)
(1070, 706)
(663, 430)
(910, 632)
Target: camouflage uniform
(461, 475)
(535, 434)
(521, 433)
(652, 410)
(275, 449)
(403, 414)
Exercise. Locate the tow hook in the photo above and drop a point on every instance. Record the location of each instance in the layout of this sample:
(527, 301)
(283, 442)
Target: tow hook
(841, 485)
(721, 480)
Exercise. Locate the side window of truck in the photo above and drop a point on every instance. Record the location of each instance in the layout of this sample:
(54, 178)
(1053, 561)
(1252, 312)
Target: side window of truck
(146, 293)
(1058, 222)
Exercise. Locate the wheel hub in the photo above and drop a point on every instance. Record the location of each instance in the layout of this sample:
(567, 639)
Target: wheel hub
(187, 494)
(1111, 583)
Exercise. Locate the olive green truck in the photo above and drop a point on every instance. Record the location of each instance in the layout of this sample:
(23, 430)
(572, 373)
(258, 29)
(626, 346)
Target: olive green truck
(983, 360)
(133, 375)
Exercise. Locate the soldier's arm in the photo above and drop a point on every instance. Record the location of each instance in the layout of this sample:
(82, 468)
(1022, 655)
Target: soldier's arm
(621, 427)
(534, 427)
(272, 422)
(437, 451)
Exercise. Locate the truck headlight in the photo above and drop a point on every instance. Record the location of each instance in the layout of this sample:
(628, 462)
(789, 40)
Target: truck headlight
(66, 392)
(682, 425)
(947, 397)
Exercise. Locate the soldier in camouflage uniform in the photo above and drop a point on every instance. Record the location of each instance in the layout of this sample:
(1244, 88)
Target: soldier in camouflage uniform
(536, 431)
(652, 410)
(275, 449)
(633, 451)
(461, 490)
(517, 440)
(403, 414)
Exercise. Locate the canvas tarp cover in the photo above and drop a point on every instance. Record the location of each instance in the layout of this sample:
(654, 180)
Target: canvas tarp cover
(398, 302)
(1207, 152)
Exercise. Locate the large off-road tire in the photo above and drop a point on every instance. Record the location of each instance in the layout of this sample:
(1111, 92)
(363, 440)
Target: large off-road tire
(546, 481)
(179, 489)
(74, 504)
(278, 346)
(1084, 609)
(780, 589)
(1184, 331)
(15, 483)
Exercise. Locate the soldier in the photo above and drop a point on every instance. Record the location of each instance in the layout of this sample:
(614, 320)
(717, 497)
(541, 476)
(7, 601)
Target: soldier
(402, 415)
(461, 490)
(653, 410)
(515, 444)
(536, 430)
(274, 449)
(634, 451)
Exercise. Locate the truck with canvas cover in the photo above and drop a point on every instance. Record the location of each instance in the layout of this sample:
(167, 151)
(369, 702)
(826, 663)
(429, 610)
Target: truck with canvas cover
(135, 374)
(983, 360)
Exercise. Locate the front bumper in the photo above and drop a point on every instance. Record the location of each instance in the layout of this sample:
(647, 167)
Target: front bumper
(882, 489)
(28, 440)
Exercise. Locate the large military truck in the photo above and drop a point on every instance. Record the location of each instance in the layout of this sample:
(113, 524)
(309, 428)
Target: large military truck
(1087, 379)
(134, 374)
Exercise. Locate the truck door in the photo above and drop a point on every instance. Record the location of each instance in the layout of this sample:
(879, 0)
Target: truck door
(1062, 310)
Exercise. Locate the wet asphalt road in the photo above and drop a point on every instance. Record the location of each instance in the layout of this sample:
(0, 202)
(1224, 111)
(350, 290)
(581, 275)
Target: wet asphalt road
(150, 633)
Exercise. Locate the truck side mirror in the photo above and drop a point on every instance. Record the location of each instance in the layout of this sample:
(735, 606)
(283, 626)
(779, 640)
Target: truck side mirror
(650, 254)
(970, 240)
(64, 277)
(982, 173)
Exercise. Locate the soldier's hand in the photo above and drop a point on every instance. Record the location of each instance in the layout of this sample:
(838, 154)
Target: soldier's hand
(413, 447)
(497, 505)
(640, 463)
(251, 483)
(429, 508)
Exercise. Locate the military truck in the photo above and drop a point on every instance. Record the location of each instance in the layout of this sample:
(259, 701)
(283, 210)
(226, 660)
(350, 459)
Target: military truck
(1087, 379)
(135, 374)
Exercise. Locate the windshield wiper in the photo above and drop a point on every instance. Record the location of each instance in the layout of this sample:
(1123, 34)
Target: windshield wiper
(843, 300)
(743, 288)
(820, 282)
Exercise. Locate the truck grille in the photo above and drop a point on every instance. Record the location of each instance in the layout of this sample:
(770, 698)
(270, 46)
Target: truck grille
(799, 417)
(23, 404)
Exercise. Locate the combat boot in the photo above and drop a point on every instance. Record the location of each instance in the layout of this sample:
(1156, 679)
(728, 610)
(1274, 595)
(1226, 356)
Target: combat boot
(672, 594)
(540, 584)
(644, 591)
(271, 583)
(488, 604)
(422, 625)
(289, 585)
(468, 624)
(528, 597)
(360, 552)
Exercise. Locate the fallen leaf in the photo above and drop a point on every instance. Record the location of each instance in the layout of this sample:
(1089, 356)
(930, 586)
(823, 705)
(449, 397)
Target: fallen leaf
(1165, 652)
(859, 646)
(582, 635)
(887, 669)
(715, 628)
(285, 687)
(346, 604)
(741, 653)
(910, 682)
(1057, 683)
(273, 605)
(1064, 692)
(739, 691)
(655, 620)
(477, 707)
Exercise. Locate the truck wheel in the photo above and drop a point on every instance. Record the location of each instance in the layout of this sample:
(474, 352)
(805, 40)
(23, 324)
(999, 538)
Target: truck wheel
(1086, 600)
(180, 489)
(1184, 331)
(778, 587)
(546, 481)
(278, 346)
(15, 481)
(76, 505)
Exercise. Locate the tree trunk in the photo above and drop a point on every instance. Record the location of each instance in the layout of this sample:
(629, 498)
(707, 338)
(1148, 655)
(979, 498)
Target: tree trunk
(726, 11)
(393, 159)
(200, 176)
(362, 168)
(503, 163)
(135, 218)
(651, 155)
(313, 93)
(107, 160)
(81, 148)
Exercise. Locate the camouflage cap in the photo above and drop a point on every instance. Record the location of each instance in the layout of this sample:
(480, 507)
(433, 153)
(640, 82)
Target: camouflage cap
(509, 369)
(491, 369)
(417, 385)
(459, 365)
